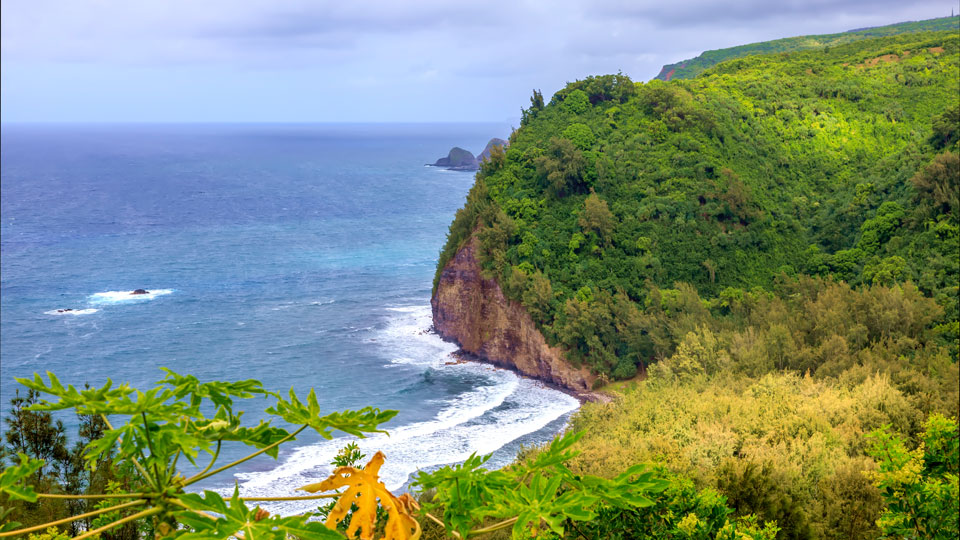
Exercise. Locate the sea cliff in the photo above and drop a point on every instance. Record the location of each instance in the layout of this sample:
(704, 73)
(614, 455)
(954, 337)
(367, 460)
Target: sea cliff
(474, 313)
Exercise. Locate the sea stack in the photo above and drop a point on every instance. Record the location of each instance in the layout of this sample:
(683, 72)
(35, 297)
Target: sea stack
(489, 147)
(458, 159)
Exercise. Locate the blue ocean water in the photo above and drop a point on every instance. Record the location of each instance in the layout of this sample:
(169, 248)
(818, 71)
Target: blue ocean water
(300, 255)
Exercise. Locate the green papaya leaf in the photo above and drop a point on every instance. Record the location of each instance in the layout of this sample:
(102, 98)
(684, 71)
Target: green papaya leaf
(13, 479)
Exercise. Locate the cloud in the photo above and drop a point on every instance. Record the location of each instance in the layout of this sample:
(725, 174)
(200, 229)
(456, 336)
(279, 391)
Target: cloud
(213, 30)
(384, 59)
(749, 12)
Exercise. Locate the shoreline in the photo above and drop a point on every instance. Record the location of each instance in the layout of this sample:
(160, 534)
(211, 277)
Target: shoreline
(462, 357)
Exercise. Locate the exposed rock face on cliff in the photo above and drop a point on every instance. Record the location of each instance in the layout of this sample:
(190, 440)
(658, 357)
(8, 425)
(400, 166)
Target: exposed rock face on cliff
(473, 312)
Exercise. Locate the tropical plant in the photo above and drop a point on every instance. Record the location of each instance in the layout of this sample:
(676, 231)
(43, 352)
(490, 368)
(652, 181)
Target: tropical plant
(920, 485)
(166, 423)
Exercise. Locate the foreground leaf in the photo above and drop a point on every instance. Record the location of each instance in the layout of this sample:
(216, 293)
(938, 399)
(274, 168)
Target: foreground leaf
(363, 489)
(236, 520)
(11, 479)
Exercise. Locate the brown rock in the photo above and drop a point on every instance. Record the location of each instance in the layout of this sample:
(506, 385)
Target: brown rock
(140, 291)
(474, 313)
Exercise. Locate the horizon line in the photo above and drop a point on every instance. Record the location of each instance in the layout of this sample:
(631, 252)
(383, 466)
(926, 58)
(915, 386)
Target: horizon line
(247, 122)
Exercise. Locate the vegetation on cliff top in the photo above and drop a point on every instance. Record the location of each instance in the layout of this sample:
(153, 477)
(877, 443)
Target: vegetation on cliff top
(687, 69)
(841, 164)
(774, 248)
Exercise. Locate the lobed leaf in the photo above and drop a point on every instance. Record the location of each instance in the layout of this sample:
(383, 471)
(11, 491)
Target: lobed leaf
(12, 478)
(219, 392)
(363, 489)
(236, 520)
(356, 423)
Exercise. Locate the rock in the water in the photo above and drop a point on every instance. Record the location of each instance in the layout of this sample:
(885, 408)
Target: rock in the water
(140, 291)
(486, 150)
(458, 159)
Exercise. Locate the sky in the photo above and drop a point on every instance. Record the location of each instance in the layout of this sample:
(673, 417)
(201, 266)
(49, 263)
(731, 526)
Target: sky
(368, 61)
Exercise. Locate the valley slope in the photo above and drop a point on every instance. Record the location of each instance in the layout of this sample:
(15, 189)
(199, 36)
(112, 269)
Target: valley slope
(617, 197)
(687, 69)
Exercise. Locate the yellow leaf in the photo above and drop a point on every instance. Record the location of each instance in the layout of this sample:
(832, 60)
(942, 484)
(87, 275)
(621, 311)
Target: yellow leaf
(363, 489)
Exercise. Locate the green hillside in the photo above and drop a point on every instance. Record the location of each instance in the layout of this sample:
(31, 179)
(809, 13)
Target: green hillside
(839, 164)
(770, 253)
(692, 67)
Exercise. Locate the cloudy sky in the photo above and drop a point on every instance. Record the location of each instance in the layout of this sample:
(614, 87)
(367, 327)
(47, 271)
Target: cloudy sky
(368, 61)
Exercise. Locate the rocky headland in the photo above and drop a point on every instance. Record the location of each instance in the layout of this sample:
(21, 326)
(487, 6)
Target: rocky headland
(474, 313)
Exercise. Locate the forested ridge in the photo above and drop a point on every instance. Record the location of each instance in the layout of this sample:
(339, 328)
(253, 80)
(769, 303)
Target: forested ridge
(769, 252)
(617, 199)
(692, 67)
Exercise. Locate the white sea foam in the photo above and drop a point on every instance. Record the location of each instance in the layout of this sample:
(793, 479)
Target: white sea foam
(112, 297)
(69, 311)
(480, 420)
(288, 305)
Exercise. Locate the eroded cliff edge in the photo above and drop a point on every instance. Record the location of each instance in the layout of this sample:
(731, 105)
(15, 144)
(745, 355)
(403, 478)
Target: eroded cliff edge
(474, 313)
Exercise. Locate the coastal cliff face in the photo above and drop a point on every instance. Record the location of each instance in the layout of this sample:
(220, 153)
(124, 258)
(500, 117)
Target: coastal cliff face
(474, 313)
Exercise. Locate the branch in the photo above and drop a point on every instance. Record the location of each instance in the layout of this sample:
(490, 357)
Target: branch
(133, 517)
(574, 524)
(201, 476)
(70, 519)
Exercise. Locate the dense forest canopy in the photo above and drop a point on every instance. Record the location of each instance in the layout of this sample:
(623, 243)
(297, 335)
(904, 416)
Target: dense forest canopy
(772, 250)
(687, 69)
(620, 205)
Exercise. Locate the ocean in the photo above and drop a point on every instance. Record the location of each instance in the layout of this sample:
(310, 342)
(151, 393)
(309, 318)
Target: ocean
(299, 255)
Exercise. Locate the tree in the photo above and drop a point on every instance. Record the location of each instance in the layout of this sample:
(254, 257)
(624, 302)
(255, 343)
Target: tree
(562, 167)
(597, 218)
(938, 185)
(536, 105)
(536, 101)
(919, 486)
(576, 102)
(580, 135)
(945, 127)
(35, 434)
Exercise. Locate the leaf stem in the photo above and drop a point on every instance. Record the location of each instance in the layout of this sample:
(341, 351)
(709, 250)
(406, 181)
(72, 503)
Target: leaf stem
(199, 476)
(132, 517)
(96, 496)
(173, 466)
(143, 472)
(496, 526)
(153, 453)
(438, 521)
(296, 498)
(213, 460)
(70, 519)
(201, 512)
